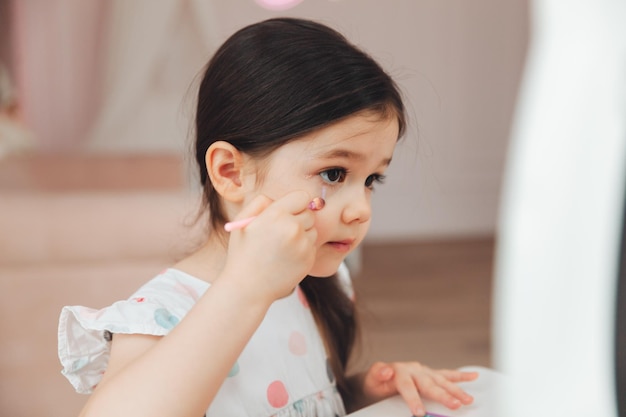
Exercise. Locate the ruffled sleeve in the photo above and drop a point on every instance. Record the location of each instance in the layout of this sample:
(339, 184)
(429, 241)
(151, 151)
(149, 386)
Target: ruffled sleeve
(84, 334)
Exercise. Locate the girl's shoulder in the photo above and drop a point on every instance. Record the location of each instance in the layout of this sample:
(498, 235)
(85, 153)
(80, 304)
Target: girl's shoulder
(84, 333)
(171, 286)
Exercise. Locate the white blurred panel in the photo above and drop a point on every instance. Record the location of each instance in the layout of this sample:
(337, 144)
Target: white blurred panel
(560, 226)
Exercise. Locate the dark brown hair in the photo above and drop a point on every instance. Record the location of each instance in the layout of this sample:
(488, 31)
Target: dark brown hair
(273, 82)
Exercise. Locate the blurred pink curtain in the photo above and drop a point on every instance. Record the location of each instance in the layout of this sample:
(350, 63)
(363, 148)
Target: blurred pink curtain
(56, 46)
(109, 75)
(155, 48)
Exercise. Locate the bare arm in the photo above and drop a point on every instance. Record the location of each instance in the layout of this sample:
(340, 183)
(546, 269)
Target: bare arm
(179, 374)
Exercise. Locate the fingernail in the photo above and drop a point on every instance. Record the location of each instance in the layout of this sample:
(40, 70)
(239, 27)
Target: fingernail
(419, 413)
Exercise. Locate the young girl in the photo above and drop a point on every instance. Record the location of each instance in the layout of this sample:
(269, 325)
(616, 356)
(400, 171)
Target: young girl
(260, 321)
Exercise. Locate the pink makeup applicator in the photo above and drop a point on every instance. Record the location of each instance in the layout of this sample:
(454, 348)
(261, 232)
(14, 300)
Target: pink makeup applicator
(316, 204)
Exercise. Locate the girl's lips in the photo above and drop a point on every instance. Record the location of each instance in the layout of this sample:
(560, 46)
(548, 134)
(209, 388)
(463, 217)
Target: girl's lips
(342, 245)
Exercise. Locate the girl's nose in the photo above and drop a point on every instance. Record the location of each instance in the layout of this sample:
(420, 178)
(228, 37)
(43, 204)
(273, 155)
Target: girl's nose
(357, 208)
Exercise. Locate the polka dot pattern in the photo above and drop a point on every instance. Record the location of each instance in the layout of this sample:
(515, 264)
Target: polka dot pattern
(297, 344)
(234, 370)
(277, 395)
(165, 319)
(186, 290)
(299, 406)
(290, 347)
(79, 364)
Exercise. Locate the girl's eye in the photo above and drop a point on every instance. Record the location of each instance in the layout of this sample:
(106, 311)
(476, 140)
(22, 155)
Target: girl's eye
(333, 175)
(374, 178)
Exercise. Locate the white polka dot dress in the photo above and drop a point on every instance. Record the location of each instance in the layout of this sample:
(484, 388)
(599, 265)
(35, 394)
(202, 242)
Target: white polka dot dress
(283, 370)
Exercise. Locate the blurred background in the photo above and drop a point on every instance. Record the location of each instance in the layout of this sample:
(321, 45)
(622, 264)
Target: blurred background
(97, 194)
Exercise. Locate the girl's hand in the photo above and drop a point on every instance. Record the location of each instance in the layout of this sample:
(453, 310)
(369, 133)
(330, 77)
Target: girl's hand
(414, 382)
(274, 252)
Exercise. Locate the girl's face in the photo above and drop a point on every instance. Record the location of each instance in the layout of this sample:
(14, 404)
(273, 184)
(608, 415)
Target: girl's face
(347, 160)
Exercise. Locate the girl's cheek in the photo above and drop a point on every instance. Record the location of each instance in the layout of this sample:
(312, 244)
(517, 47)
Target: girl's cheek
(362, 232)
(322, 226)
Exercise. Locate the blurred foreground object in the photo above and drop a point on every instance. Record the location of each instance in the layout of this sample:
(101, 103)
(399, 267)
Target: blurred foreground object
(558, 257)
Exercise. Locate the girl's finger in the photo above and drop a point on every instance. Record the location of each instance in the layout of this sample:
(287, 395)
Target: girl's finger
(407, 388)
(458, 376)
(453, 389)
(386, 373)
(294, 202)
(437, 393)
(306, 219)
(254, 207)
(382, 371)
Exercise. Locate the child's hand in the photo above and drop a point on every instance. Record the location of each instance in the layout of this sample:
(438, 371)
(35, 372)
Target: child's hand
(414, 382)
(277, 249)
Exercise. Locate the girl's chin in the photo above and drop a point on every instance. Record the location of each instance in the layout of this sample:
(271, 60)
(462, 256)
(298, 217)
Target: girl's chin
(325, 269)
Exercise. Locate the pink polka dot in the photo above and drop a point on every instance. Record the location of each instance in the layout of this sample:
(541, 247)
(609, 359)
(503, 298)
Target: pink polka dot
(277, 394)
(297, 344)
(302, 298)
(186, 290)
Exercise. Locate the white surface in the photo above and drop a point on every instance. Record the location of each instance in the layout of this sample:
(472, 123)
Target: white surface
(561, 215)
(486, 391)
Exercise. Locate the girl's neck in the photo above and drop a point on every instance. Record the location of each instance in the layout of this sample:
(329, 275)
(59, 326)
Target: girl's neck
(208, 261)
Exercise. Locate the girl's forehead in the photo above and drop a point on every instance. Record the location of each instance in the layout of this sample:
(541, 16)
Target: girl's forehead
(360, 132)
(366, 141)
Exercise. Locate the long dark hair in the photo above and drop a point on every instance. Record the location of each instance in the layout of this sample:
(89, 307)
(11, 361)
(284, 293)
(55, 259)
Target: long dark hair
(275, 81)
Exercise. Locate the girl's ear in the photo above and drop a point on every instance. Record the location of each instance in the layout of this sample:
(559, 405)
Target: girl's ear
(225, 165)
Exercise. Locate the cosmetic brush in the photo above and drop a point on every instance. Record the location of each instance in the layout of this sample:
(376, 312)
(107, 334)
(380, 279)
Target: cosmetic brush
(316, 204)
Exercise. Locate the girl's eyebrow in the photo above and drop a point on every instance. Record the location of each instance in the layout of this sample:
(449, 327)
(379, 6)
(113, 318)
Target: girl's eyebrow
(347, 154)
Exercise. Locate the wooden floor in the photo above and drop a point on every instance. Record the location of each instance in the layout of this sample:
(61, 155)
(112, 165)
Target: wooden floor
(428, 302)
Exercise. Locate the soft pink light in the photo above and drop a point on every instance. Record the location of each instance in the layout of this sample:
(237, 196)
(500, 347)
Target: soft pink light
(278, 4)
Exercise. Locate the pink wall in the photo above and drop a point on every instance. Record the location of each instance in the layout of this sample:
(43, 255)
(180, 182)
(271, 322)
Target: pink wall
(458, 62)
(56, 46)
